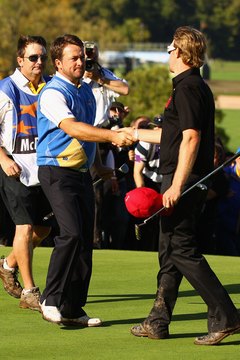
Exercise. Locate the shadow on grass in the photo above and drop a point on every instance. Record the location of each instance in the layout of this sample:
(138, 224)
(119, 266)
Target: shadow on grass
(180, 317)
(131, 322)
(231, 289)
(120, 297)
(230, 343)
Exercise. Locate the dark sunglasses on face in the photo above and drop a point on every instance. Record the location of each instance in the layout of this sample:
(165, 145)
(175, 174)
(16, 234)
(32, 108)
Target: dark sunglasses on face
(34, 58)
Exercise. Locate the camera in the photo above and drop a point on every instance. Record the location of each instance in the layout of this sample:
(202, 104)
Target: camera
(110, 122)
(89, 51)
(157, 120)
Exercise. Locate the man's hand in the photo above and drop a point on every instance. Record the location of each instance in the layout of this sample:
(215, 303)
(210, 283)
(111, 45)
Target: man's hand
(131, 155)
(94, 75)
(130, 131)
(238, 166)
(10, 167)
(124, 137)
(171, 197)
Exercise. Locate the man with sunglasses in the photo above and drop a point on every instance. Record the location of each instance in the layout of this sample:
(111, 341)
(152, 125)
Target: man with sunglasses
(19, 185)
(187, 154)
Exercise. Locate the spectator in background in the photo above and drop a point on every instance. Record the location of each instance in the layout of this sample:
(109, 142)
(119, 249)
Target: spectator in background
(219, 188)
(234, 168)
(146, 172)
(140, 122)
(228, 215)
(115, 217)
(106, 87)
(19, 184)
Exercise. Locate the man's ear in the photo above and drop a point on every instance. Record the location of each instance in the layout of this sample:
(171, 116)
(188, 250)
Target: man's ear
(178, 53)
(20, 61)
(58, 64)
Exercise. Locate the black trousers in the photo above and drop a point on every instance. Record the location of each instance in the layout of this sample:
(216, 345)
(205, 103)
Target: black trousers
(178, 257)
(70, 194)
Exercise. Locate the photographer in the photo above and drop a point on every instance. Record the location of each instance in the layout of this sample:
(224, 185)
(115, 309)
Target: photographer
(115, 218)
(105, 85)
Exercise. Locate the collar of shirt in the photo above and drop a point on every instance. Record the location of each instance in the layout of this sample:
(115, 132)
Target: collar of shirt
(23, 82)
(67, 80)
(32, 87)
(184, 74)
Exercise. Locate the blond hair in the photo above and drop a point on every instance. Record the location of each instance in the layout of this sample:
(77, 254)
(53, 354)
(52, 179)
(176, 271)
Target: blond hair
(192, 45)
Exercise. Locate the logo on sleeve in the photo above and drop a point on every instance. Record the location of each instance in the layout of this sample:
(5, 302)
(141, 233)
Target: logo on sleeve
(168, 102)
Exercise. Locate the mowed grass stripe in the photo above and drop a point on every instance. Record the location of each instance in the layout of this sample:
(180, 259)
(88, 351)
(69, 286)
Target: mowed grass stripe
(121, 293)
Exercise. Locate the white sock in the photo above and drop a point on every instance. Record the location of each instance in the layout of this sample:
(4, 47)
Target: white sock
(6, 267)
(26, 291)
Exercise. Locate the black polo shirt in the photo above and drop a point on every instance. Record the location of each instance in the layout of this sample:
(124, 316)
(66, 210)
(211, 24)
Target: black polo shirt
(191, 106)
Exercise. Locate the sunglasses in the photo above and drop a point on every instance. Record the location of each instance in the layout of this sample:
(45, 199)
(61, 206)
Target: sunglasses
(170, 48)
(34, 58)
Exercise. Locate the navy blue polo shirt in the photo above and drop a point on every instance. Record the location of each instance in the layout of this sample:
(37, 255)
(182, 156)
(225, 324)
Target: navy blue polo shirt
(191, 106)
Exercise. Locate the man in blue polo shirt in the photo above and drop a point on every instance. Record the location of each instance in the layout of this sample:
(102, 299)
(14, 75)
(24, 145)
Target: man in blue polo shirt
(66, 150)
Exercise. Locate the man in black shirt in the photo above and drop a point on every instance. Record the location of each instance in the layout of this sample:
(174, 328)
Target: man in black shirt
(187, 152)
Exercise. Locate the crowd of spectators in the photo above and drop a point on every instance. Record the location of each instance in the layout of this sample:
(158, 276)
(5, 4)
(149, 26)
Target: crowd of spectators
(219, 223)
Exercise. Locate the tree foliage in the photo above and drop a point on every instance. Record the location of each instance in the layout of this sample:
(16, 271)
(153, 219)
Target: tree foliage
(150, 88)
(123, 21)
(220, 20)
(48, 18)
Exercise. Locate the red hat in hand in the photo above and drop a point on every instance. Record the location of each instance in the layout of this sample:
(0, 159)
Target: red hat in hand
(143, 202)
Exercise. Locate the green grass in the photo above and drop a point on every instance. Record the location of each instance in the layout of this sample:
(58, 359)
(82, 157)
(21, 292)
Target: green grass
(225, 70)
(224, 77)
(121, 293)
(231, 125)
(225, 80)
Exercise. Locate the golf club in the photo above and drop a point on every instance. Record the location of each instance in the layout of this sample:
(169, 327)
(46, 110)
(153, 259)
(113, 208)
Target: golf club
(197, 184)
(123, 169)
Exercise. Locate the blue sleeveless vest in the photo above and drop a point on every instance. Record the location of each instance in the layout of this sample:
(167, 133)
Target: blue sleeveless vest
(24, 127)
(57, 148)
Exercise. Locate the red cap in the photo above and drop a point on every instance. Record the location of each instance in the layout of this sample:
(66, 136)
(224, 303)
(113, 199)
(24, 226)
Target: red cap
(144, 202)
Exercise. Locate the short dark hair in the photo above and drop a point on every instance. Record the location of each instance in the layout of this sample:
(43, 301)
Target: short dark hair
(25, 40)
(60, 43)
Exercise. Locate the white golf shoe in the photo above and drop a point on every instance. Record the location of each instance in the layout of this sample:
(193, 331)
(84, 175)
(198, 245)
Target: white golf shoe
(82, 321)
(51, 313)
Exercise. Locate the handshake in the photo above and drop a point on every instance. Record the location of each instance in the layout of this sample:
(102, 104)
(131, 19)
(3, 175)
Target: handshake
(130, 135)
(125, 136)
